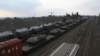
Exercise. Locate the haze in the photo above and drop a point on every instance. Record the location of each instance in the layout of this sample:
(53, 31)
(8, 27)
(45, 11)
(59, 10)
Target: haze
(26, 8)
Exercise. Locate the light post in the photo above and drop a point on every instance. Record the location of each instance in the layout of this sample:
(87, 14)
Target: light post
(99, 19)
(43, 25)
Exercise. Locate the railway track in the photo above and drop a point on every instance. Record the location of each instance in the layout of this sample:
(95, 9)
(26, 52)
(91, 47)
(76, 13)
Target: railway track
(86, 44)
(72, 38)
(45, 50)
(56, 44)
(92, 44)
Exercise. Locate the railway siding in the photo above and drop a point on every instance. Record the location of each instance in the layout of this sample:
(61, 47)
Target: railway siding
(86, 44)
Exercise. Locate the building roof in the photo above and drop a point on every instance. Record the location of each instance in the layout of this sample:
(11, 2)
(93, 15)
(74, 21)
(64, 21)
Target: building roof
(65, 49)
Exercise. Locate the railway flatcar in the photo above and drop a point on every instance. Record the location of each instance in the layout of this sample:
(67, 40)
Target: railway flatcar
(65, 49)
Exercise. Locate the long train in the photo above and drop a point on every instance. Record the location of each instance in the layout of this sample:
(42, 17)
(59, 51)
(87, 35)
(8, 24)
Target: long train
(33, 37)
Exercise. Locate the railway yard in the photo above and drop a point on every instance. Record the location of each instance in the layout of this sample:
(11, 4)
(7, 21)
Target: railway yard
(84, 35)
(42, 40)
(49, 28)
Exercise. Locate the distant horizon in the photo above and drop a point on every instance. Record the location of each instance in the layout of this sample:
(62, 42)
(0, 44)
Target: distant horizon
(38, 8)
(39, 16)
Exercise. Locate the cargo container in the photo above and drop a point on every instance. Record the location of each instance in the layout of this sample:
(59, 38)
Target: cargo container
(3, 49)
(11, 47)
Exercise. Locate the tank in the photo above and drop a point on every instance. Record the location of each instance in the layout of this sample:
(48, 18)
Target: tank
(32, 43)
(27, 48)
(64, 27)
(49, 37)
(56, 31)
(70, 25)
(35, 40)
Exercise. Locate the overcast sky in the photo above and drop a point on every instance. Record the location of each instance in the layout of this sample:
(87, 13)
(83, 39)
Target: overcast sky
(26, 8)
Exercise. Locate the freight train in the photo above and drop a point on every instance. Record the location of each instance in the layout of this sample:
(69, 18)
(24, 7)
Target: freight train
(33, 37)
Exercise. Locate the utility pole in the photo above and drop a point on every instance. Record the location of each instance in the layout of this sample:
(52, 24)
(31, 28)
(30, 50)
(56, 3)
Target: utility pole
(43, 25)
(99, 19)
(79, 18)
(80, 25)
